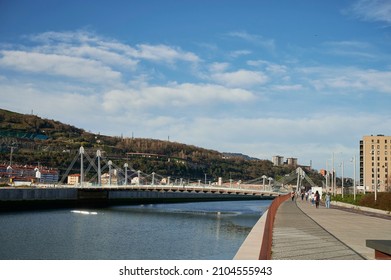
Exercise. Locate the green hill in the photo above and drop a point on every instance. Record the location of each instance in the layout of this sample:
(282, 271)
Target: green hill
(54, 144)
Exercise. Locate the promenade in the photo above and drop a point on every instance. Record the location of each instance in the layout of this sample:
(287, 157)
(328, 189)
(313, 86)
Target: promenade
(304, 232)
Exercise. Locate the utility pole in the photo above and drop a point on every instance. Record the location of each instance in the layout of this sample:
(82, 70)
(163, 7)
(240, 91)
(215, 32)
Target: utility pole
(354, 177)
(12, 151)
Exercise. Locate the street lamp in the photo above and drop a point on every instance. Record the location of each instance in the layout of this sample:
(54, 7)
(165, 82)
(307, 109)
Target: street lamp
(374, 152)
(341, 165)
(354, 177)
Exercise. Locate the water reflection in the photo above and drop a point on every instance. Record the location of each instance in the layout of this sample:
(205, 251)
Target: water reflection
(209, 230)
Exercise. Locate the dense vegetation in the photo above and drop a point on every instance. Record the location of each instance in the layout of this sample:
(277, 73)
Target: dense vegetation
(383, 200)
(53, 144)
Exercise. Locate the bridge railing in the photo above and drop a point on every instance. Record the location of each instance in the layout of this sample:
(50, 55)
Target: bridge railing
(266, 247)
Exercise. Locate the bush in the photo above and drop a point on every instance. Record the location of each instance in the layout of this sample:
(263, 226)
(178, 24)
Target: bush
(383, 200)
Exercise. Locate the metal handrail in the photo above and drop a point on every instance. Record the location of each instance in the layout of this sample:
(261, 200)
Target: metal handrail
(266, 246)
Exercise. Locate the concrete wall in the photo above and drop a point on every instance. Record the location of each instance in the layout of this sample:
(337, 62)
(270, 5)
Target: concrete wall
(37, 194)
(135, 194)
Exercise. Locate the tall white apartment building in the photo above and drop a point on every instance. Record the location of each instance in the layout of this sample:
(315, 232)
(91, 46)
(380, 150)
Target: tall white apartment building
(375, 161)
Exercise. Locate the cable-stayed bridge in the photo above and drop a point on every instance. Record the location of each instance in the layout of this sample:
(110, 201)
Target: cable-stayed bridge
(126, 178)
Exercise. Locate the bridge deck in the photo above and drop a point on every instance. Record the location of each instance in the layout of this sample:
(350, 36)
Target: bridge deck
(302, 231)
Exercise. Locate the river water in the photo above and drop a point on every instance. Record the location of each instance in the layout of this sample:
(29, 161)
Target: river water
(181, 231)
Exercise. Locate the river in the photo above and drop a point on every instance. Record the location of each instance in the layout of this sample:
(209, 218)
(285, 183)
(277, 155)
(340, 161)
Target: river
(182, 231)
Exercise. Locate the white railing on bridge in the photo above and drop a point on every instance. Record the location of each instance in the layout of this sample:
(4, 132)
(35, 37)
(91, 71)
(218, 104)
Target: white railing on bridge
(255, 190)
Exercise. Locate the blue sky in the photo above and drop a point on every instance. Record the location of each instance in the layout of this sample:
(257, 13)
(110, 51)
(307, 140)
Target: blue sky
(302, 78)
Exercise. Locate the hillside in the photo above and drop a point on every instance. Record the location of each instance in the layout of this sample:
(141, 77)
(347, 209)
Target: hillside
(54, 144)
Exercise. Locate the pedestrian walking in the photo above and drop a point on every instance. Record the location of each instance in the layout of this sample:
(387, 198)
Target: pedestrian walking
(293, 195)
(312, 198)
(327, 200)
(317, 199)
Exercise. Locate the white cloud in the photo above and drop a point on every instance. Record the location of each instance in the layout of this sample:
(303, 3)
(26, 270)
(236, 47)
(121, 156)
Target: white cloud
(269, 67)
(287, 87)
(348, 79)
(241, 78)
(373, 10)
(350, 49)
(218, 67)
(54, 64)
(235, 54)
(173, 96)
(51, 101)
(87, 45)
(164, 53)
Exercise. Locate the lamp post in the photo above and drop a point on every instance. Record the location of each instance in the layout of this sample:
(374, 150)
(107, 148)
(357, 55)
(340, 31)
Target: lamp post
(334, 179)
(354, 177)
(341, 165)
(374, 152)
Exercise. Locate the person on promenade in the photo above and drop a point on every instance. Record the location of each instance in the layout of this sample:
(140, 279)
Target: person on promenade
(317, 199)
(293, 195)
(327, 200)
(312, 199)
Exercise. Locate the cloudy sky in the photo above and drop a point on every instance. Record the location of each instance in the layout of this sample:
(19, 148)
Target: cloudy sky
(296, 78)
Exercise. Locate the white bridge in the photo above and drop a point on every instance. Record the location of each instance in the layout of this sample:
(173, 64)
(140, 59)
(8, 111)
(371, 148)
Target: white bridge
(129, 179)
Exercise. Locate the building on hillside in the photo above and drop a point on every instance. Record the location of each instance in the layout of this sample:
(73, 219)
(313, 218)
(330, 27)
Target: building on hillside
(47, 176)
(278, 160)
(292, 161)
(109, 179)
(375, 160)
(30, 173)
(73, 179)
